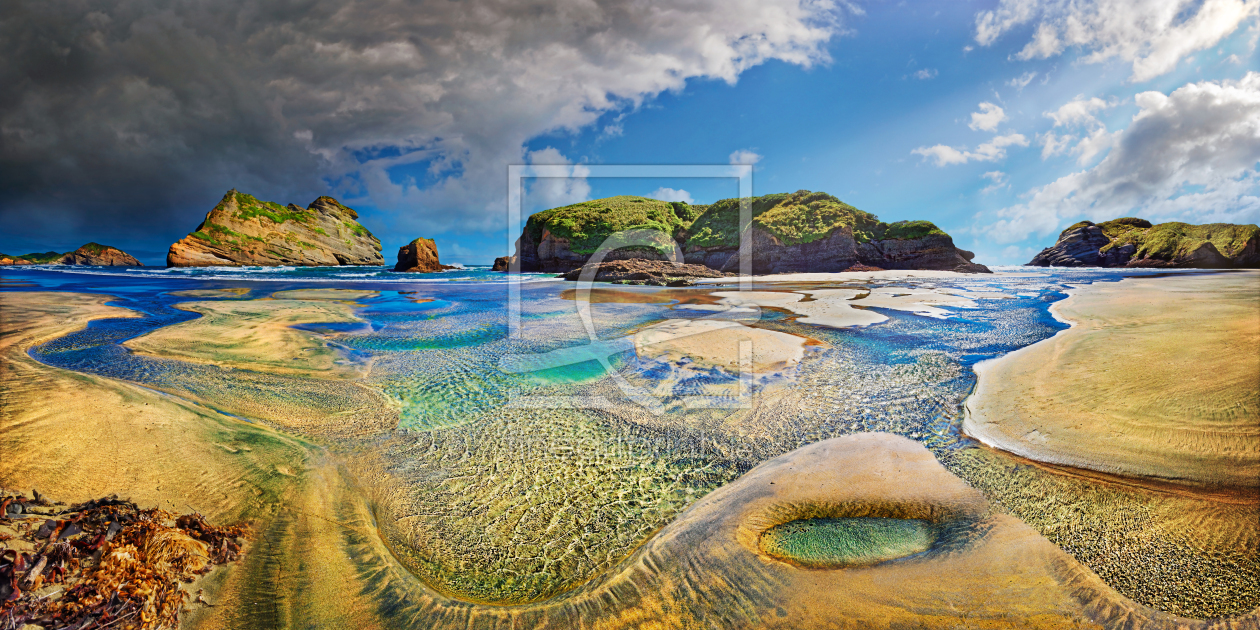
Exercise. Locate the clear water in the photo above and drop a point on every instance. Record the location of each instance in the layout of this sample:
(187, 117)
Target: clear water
(434, 343)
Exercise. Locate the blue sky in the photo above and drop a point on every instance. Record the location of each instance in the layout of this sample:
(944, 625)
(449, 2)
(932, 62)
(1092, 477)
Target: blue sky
(904, 76)
(1002, 121)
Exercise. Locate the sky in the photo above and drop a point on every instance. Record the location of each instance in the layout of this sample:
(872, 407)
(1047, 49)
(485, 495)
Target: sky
(1002, 121)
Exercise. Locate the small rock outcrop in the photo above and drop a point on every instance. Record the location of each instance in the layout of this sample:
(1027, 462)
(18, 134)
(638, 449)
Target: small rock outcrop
(790, 232)
(503, 263)
(243, 231)
(1132, 242)
(99, 255)
(420, 256)
(7, 260)
(91, 254)
(659, 273)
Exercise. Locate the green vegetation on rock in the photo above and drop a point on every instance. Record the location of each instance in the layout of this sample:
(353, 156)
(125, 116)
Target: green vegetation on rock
(249, 207)
(837, 542)
(1169, 241)
(588, 224)
(41, 257)
(906, 230)
(797, 218)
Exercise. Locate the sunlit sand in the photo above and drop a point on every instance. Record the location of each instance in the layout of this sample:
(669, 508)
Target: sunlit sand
(1157, 377)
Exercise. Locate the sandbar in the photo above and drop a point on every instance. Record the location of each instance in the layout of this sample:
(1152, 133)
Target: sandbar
(1156, 378)
(257, 334)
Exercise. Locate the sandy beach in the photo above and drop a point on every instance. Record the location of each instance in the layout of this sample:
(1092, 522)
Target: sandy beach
(1155, 378)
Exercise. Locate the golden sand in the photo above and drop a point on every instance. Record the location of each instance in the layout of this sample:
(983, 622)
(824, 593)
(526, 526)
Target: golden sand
(707, 569)
(717, 343)
(258, 335)
(1157, 377)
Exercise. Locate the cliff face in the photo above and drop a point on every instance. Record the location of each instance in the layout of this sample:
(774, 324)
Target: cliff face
(790, 232)
(1131, 242)
(100, 255)
(243, 231)
(7, 260)
(420, 256)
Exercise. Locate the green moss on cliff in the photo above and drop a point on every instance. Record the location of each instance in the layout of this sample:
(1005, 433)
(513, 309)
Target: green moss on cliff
(906, 230)
(249, 207)
(588, 224)
(95, 248)
(1169, 241)
(793, 218)
(41, 257)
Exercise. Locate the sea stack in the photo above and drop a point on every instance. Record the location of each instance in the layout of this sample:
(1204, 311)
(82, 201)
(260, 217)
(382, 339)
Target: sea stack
(795, 232)
(420, 256)
(244, 231)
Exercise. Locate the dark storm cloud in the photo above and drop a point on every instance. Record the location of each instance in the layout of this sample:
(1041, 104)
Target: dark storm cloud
(133, 116)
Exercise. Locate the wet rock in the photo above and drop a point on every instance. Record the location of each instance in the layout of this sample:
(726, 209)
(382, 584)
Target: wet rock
(420, 256)
(649, 272)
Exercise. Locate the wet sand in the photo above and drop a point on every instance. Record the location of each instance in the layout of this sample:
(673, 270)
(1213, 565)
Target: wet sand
(259, 335)
(1157, 378)
(319, 560)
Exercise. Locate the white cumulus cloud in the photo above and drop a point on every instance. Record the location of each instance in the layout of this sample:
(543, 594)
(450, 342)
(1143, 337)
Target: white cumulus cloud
(991, 151)
(745, 156)
(1152, 35)
(988, 118)
(1190, 155)
(926, 73)
(671, 194)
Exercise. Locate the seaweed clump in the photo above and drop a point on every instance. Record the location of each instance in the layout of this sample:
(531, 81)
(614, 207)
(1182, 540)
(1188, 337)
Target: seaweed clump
(104, 563)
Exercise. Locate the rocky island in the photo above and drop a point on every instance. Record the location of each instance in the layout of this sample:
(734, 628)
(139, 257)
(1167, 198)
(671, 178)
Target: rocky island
(802, 231)
(244, 231)
(1132, 242)
(420, 256)
(90, 254)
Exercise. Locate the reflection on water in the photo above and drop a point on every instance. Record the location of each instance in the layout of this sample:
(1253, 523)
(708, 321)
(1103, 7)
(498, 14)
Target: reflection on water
(494, 503)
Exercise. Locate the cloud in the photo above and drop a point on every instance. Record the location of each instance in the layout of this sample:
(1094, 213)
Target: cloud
(988, 118)
(1190, 155)
(1153, 35)
(999, 181)
(415, 107)
(671, 194)
(552, 192)
(1077, 114)
(1020, 82)
(926, 73)
(745, 156)
(990, 151)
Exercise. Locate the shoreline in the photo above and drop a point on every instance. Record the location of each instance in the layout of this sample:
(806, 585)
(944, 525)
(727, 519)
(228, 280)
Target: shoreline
(1026, 401)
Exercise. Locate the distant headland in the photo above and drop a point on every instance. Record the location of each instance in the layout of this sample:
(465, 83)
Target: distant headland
(1132, 242)
(89, 254)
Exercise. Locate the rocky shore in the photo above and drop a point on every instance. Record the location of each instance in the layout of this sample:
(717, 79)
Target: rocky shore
(790, 232)
(659, 273)
(1133, 242)
(244, 231)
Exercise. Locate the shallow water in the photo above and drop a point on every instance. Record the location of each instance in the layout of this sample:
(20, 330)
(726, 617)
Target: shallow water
(490, 497)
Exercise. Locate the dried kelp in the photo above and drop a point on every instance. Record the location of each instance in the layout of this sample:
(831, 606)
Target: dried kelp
(121, 566)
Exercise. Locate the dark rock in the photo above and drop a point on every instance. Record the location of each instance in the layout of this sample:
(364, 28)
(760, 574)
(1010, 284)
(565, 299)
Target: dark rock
(420, 256)
(653, 272)
(1076, 247)
(503, 263)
